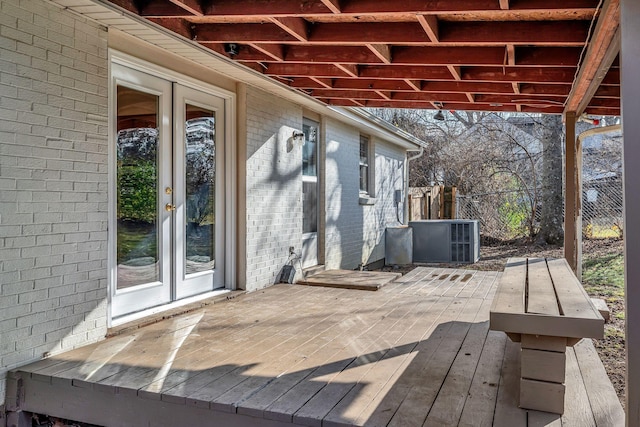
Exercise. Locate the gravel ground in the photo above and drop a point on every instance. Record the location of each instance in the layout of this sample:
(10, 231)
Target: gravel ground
(494, 256)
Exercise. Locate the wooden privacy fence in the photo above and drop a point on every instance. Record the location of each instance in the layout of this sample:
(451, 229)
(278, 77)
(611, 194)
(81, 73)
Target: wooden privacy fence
(437, 202)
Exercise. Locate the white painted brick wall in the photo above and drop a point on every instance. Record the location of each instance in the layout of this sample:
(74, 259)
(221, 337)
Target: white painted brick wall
(274, 186)
(53, 182)
(354, 232)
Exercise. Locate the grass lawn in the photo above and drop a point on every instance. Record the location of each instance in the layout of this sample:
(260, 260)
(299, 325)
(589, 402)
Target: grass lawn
(604, 275)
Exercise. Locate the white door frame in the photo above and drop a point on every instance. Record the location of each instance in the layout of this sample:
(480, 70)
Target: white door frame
(310, 241)
(230, 235)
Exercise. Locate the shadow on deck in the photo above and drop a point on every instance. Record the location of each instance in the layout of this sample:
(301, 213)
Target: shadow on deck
(416, 352)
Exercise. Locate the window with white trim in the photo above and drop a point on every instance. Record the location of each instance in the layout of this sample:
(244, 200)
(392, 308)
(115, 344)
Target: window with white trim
(366, 165)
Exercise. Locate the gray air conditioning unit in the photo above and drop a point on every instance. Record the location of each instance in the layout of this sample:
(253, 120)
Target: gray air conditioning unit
(456, 240)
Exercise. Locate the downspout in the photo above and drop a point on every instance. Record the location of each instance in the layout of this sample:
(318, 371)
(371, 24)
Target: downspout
(595, 131)
(405, 213)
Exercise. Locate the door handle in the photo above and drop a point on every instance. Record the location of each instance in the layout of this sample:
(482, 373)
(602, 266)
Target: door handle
(169, 207)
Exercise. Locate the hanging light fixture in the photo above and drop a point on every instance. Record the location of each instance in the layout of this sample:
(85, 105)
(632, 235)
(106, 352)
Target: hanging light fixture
(439, 116)
(298, 138)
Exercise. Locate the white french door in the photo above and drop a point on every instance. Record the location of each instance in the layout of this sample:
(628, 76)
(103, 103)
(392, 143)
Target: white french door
(199, 168)
(168, 218)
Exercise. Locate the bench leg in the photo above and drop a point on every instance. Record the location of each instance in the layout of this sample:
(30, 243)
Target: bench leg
(542, 373)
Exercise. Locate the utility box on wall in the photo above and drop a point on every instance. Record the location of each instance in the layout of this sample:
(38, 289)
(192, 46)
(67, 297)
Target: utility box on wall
(446, 241)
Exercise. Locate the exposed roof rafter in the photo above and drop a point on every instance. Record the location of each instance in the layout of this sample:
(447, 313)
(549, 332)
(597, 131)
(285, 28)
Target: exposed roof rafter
(495, 55)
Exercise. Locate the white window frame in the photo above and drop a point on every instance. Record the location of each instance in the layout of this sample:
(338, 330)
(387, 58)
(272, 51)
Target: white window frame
(367, 196)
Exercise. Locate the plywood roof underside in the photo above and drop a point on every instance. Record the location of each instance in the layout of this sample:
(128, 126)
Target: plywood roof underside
(545, 56)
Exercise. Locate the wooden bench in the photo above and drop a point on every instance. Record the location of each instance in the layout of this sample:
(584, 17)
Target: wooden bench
(541, 304)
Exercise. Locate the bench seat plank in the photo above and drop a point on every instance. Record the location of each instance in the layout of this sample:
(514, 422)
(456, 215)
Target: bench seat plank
(509, 297)
(541, 298)
(556, 311)
(579, 319)
(572, 298)
(541, 324)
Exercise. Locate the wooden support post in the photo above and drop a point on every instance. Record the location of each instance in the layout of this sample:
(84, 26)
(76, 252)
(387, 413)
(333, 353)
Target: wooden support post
(542, 373)
(571, 193)
(630, 60)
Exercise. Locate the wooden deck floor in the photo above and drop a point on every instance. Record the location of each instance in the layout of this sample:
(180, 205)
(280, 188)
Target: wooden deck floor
(416, 352)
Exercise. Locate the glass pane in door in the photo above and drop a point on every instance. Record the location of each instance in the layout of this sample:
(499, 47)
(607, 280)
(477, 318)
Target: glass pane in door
(200, 176)
(137, 188)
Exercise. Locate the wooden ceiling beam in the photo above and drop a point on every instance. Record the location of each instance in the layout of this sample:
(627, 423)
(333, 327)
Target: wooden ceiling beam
(350, 69)
(414, 84)
(329, 55)
(325, 83)
(382, 51)
(516, 87)
(608, 92)
(304, 70)
(297, 27)
(332, 5)
(604, 103)
(426, 96)
(169, 8)
(545, 89)
(403, 72)
(557, 101)
(477, 89)
(345, 94)
(383, 94)
(547, 56)
(471, 97)
(191, 6)
(311, 83)
(602, 51)
(343, 102)
(429, 24)
(246, 53)
(599, 111)
(264, 8)
(456, 72)
(364, 84)
(294, 29)
(464, 87)
(549, 33)
(452, 57)
(456, 56)
(510, 55)
(274, 51)
(519, 74)
(239, 33)
(179, 26)
(369, 32)
(504, 4)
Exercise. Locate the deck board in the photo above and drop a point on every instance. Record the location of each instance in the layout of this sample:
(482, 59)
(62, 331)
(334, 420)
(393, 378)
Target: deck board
(416, 352)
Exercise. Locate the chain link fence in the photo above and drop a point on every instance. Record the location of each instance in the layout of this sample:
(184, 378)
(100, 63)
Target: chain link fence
(503, 215)
(602, 209)
(506, 214)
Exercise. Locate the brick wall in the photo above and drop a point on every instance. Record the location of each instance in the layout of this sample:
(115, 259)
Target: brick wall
(53, 182)
(274, 186)
(354, 232)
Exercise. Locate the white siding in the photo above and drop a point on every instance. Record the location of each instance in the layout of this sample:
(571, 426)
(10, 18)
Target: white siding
(53, 182)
